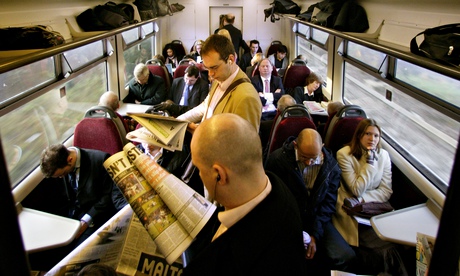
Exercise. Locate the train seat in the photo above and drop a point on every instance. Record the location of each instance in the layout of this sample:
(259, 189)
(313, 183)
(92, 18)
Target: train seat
(256, 72)
(342, 126)
(162, 72)
(294, 76)
(100, 129)
(273, 47)
(289, 123)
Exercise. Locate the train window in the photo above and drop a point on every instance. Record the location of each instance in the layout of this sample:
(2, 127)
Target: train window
(47, 119)
(138, 53)
(319, 36)
(408, 124)
(130, 36)
(316, 56)
(14, 83)
(367, 56)
(443, 87)
(147, 28)
(81, 56)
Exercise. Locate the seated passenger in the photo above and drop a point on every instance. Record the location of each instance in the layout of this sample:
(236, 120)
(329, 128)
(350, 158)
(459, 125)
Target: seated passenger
(245, 60)
(186, 92)
(280, 60)
(312, 174)
(110, 100)
(260, 230)
(333, 108)
(254, 62)
(270, 87)
(145, 88)
(366, 177)
(196, 52)
(171, 57)
(312, 91)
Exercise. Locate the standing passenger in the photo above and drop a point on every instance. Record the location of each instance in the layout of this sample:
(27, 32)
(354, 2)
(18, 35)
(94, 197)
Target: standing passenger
(235, 33)
(260, 231)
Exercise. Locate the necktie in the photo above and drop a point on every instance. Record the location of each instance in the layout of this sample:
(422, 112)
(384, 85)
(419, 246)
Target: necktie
(73, 198)
(267, 86)
(187, 88)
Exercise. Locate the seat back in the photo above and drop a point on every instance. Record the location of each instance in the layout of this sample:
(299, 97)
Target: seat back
(342, 127)
(273, 47)
(289, 123)
(162, 72)
(100, 129)
(154, 62)
(180, 71)
(294, 76)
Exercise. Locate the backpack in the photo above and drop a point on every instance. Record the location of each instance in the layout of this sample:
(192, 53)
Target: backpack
(281, 6)
(106, 17)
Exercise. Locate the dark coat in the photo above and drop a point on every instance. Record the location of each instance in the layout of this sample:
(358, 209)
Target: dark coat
(317, 208)
(199, 92)
(300, 96)
(275, 83)
(267, 241)
(237, 38)
(154, 92)
(245, 61)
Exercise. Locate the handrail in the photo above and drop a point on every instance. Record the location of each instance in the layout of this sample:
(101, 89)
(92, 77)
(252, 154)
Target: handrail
(16, 62)
(389, 48)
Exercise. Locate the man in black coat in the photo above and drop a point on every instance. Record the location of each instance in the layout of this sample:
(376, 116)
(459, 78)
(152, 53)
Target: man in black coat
(235, 33)
(145, 88)
(312, 174)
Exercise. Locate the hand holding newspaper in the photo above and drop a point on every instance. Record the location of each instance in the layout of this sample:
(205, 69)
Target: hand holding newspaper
(171, 212)
(165, 132)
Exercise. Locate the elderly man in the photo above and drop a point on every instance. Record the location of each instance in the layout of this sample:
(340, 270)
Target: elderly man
(312, 174)
(145, 88)
(260, 231)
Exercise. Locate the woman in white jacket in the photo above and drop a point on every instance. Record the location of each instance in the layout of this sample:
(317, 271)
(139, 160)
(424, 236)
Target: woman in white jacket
(366, 177)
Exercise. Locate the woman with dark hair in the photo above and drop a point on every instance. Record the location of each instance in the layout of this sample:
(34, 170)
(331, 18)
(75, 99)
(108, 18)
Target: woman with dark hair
(171, 56)
(366, 177)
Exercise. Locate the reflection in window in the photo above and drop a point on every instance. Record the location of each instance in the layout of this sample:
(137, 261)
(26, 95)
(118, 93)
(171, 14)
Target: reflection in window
(441, 86)
(26, 78)
(316, 56)
(48, 119)
(413, 125)
(139, 53)
(84, 55)
(365, 55)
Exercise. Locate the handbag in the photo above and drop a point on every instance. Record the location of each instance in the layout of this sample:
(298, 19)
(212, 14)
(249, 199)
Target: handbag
(440, 43)
(33, 37)
(367, 209)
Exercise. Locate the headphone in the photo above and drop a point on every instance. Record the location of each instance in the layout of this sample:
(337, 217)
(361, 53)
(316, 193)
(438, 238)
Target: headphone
(218, 177)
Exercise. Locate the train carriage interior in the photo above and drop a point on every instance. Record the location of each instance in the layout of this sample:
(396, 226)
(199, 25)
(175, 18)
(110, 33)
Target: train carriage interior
(45, 93)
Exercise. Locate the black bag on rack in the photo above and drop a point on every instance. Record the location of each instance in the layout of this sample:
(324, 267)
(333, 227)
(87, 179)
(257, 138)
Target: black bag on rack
(33, 37)
(281, 6)
(440, 43)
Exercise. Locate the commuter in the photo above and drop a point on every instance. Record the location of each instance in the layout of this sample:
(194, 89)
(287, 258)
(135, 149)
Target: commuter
(254, 62)
(93, 196)
(312, 174)
(221, 23)
(171, 57)
(267, 125)
(260, 230)
(160, 58)
(270, 87)
(231, 90)
(196, 51)
(186, 92)
(110, 100)
(225, 33)
(144, 55)
(97, 269)
(280, 60)
(312, 91)
(334, 107)
(246, 58)
(235, 33)
(145, 88)
(366, 177)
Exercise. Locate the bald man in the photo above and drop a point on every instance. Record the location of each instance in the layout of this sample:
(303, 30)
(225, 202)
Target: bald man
(312, 174)
(109, 99)
(260, 230)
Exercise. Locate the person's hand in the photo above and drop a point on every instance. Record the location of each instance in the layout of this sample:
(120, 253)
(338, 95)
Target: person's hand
(165, 105)
(351, 202)
(137, 102)
(311, 250)
(278, 90)
(371, 156)
(261, 94)
(191, 127)
(83, 227)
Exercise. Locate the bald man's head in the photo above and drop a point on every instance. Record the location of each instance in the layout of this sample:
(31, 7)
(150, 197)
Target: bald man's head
(308, 145)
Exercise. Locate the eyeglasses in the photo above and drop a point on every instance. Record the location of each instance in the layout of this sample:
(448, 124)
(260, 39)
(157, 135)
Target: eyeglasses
(311, 160)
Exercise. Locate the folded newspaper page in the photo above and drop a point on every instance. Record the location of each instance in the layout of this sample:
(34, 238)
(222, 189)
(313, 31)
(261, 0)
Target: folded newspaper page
(165, 132)
(171, 212)
(123, 244)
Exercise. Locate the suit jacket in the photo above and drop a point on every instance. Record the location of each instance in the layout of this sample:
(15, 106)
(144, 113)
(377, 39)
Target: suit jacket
(199, 92)
(300, 96)
(237, 38)
(267, 241)
(318, 206)
(242, 100)
(95, 194)
(275, 83)
(151, 93)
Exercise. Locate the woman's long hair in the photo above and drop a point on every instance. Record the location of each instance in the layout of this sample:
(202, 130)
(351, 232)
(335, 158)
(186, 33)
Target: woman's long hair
(356, 149)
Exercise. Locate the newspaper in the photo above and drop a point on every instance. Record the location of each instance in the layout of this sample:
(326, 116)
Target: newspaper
(423, 252)
(123, 244)
(165, 132)
(171, 212)
(315, 108)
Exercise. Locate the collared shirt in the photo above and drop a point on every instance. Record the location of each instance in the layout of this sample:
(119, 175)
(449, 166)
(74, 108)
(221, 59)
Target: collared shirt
(229, 217)
(308, 92)
(86, 218)
(220, 90)
(309, 173)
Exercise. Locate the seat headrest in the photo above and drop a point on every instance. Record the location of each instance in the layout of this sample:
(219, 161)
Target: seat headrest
(100, 112)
